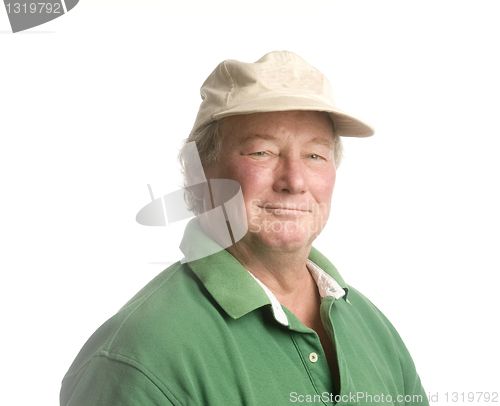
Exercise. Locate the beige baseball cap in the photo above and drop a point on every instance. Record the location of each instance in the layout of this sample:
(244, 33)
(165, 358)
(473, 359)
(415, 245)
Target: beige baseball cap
(279, 81)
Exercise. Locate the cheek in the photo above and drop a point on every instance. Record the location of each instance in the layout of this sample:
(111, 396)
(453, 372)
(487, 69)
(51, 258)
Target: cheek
(323, 187)
(251, 179)
(333, 178)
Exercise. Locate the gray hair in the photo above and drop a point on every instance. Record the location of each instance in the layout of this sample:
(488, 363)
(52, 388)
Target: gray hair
(209, 144)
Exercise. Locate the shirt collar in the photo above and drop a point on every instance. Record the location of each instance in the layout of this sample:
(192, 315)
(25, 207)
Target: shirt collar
(237, 291)
(327, 286)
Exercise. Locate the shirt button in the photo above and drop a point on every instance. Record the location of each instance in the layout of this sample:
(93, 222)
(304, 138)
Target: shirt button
(313, 357)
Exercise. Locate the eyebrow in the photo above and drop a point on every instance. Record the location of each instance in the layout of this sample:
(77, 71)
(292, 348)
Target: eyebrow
(327, 143)
(316, 140)
(265, 137)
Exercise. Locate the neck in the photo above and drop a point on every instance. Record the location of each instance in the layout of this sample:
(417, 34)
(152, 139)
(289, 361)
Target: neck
(284, 273)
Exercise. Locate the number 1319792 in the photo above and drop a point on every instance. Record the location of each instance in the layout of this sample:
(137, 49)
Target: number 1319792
(32, 8)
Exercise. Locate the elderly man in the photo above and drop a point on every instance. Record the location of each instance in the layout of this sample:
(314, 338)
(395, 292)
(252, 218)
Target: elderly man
(268, 320)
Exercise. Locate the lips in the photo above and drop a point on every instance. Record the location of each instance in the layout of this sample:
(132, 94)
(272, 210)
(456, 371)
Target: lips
(283, 208)
(286, 209)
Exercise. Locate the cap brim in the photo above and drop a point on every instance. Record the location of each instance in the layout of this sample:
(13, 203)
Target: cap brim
(346, 124)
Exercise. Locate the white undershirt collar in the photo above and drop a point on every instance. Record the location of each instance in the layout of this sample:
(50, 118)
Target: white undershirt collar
(327, 286)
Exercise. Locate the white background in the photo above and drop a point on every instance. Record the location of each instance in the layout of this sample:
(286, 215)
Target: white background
(94, 105)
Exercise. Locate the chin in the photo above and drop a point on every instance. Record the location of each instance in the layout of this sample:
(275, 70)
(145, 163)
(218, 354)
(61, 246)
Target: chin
(281, 240)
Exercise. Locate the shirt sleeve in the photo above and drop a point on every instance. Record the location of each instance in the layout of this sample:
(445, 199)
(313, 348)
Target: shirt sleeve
(110, 382)
(415, 393)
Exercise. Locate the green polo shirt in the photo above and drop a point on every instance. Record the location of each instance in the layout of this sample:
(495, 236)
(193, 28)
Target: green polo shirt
(205, 333)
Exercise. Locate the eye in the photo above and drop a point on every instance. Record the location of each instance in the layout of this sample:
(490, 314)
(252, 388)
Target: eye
(314, 157)
(260, 153)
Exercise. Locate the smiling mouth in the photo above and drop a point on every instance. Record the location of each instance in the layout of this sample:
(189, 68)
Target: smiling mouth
(277, 209)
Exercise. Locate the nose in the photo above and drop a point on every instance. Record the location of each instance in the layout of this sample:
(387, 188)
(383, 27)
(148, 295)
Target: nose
(290, 176)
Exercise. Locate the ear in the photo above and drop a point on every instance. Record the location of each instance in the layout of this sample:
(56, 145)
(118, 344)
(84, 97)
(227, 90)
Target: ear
(196, 184)
(198, 190)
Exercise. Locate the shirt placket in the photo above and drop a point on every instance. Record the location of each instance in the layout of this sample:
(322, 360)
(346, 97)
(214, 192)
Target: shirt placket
(313, 359)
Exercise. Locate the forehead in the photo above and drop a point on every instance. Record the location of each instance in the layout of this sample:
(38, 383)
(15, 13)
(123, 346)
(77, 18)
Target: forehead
(279, 124)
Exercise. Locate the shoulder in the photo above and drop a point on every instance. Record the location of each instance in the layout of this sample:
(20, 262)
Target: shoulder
(363, 309)
(159, 319)
(371, 326)
(371, 339)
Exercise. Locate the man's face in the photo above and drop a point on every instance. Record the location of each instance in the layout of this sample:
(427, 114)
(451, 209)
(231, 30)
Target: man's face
(284, 164)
